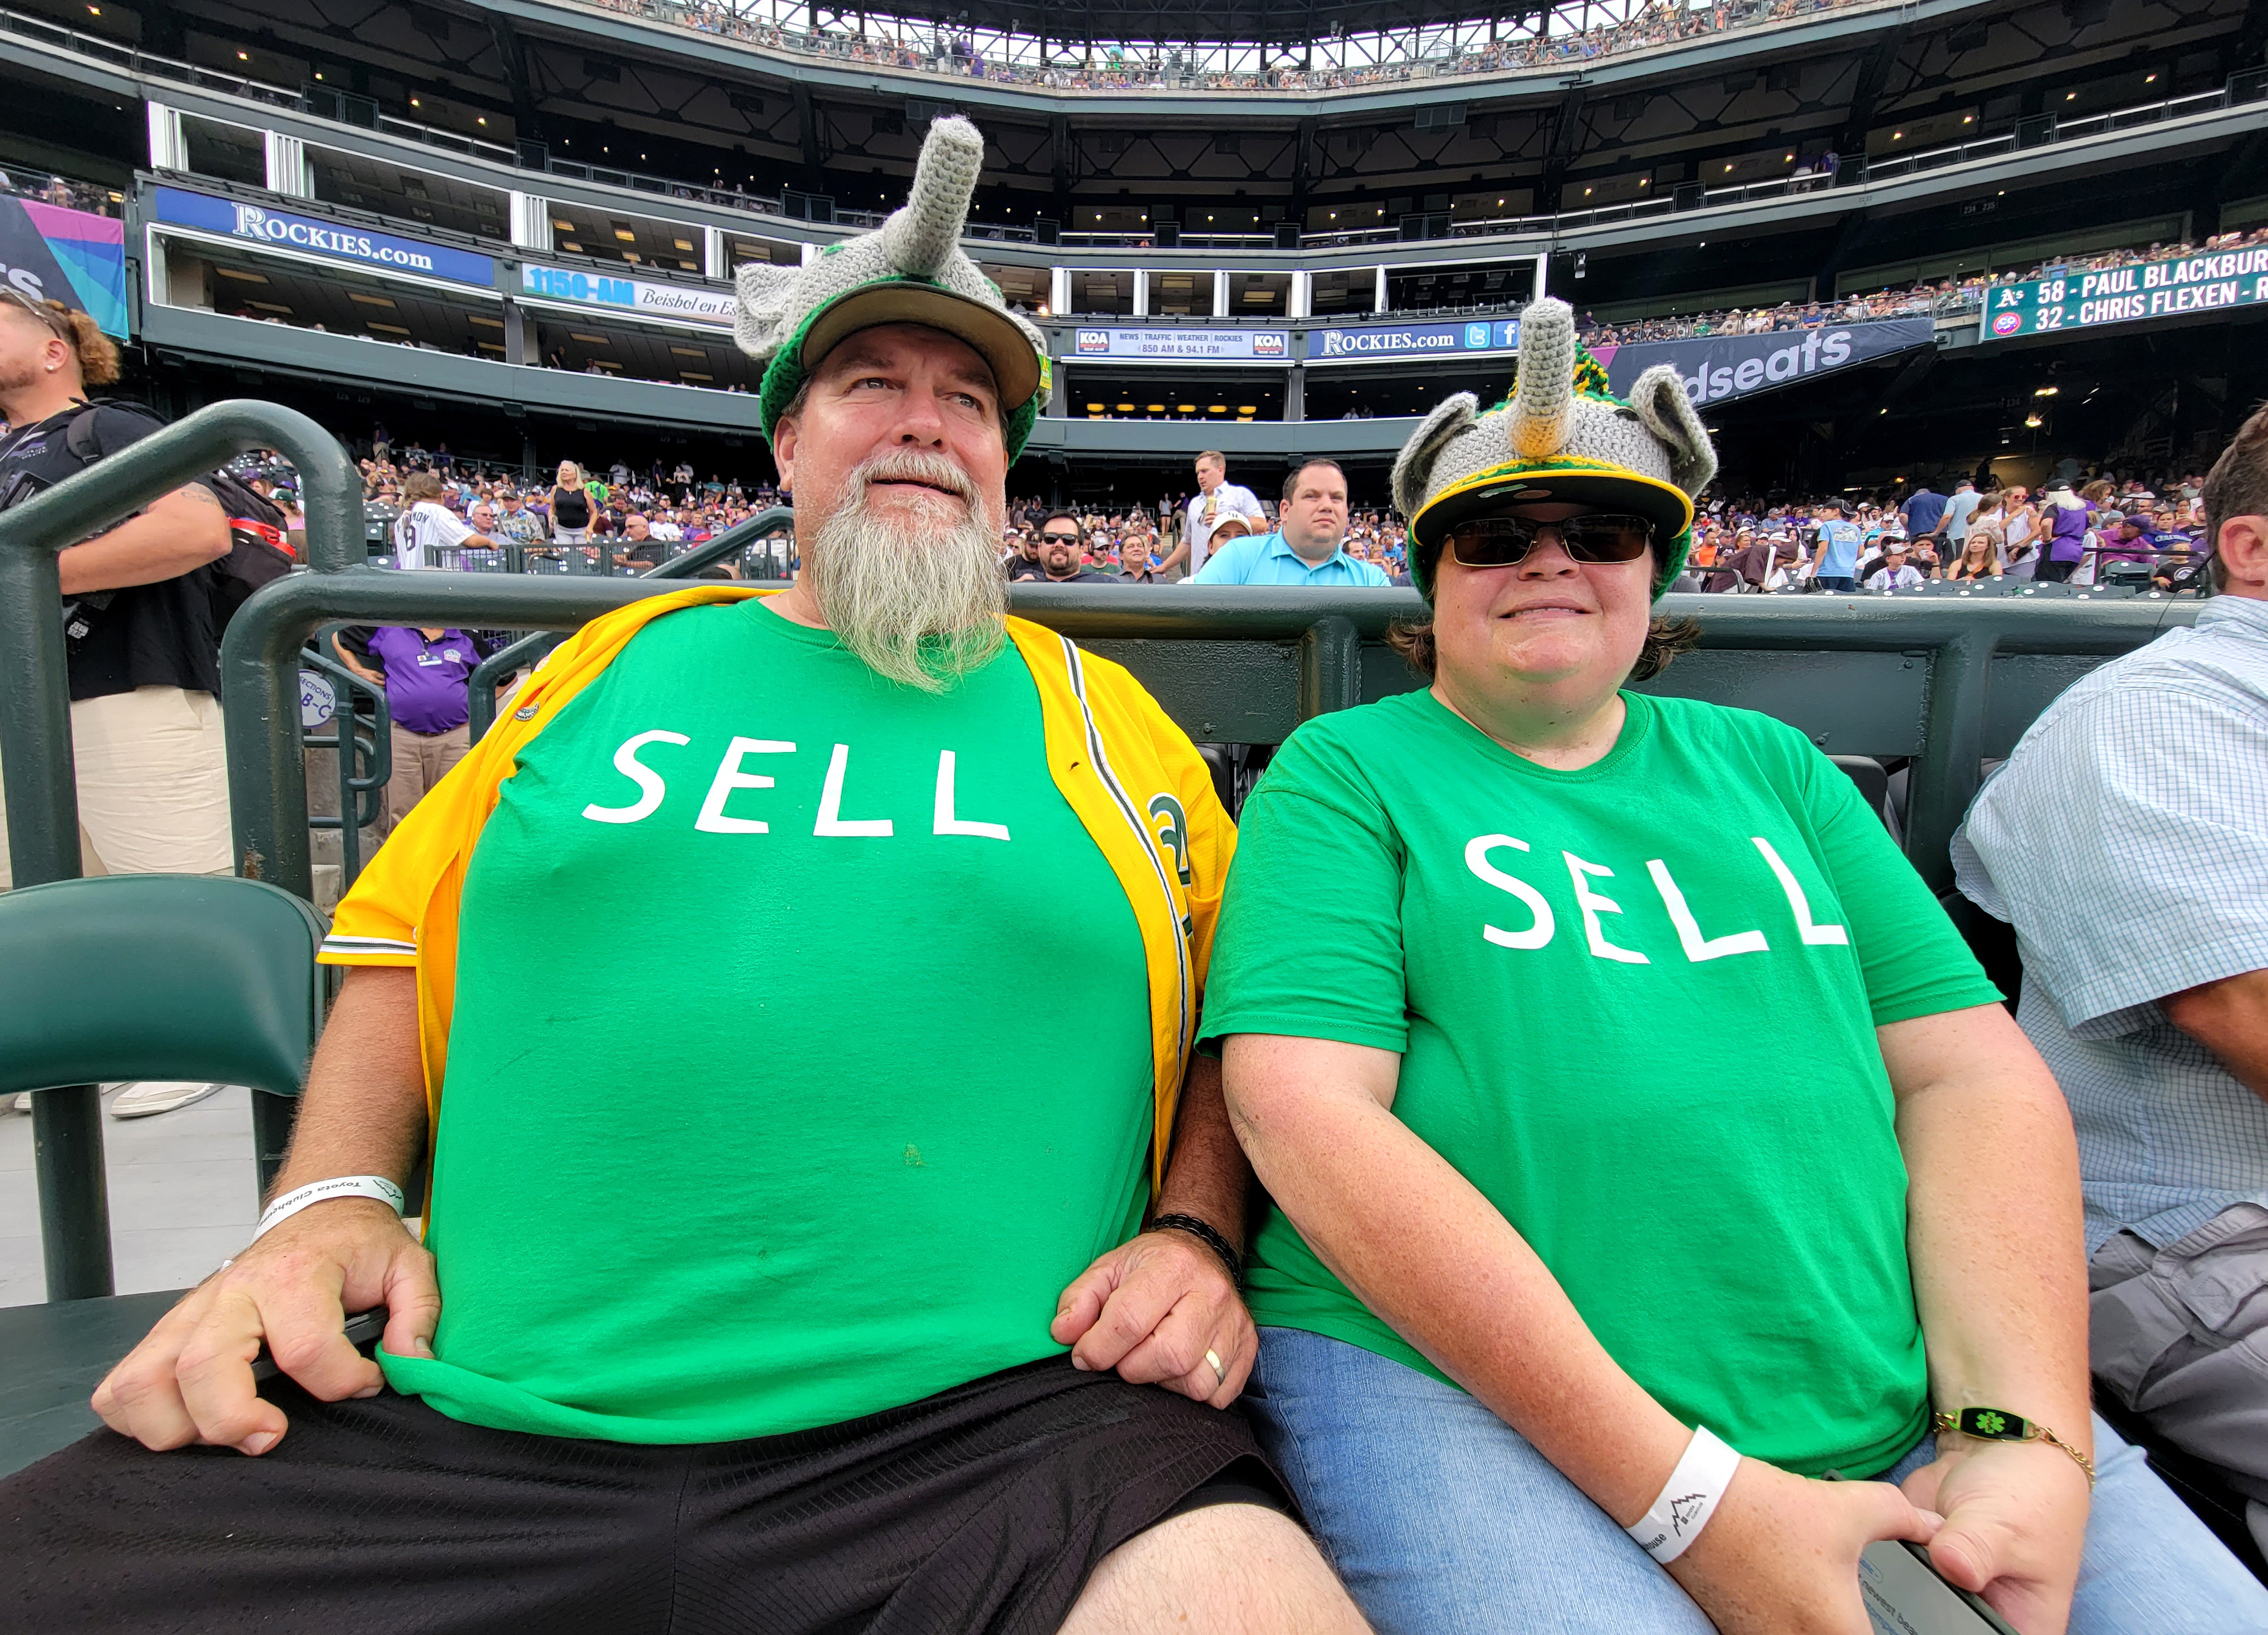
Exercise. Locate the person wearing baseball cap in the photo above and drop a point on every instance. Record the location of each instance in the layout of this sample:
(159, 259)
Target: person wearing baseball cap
(1581, 1266)
(886, 1303)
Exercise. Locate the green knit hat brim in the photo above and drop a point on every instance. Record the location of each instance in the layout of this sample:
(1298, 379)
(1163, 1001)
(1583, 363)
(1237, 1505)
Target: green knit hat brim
(1557, 479)
(1016, 364)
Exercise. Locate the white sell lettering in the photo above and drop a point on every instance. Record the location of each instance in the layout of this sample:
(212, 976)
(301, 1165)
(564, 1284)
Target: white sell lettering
(645, 778)
(1696, 947)
(944, 823)
(730, 778)
(1593, 905)
(1536, 935)
(1798, 904)
(831, 820)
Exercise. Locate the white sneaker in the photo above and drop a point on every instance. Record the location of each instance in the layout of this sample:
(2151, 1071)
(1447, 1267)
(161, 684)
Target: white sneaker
(158, 1095)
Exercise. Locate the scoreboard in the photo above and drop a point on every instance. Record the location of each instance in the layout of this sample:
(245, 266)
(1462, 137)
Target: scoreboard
(2082, 299)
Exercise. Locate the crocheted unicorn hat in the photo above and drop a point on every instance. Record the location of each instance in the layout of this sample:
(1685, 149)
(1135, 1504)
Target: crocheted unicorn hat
(1562, 437)
(909, 270)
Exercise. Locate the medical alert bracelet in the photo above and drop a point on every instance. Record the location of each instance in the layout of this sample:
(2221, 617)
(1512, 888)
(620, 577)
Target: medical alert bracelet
(1998, 1425)
(1688, 1499)
(338, 1187)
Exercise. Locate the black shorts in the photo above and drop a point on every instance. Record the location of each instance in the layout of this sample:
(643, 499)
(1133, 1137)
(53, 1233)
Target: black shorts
(983, 1509)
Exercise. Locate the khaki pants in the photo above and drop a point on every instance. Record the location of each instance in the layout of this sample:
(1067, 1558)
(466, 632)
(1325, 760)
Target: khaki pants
(152, 785)
(420, 762)
(2180, 1336)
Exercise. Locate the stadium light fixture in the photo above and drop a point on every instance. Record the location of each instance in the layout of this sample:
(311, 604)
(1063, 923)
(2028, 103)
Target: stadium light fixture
(1218, 408)
(2071, 96)
(244, 56)
(2032, 421)
(2147, 79)
(1185, 409)
(1898, 136)
(2045, 391)
(1094, 409)
(1126, 408)
(1247, 409)
(1155, 409)
(96, 10)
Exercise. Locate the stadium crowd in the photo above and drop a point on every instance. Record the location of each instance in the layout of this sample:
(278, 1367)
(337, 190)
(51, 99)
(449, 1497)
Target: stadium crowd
(960, 54)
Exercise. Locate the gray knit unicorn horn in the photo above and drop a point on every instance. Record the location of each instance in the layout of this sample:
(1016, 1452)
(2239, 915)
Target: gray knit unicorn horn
(911, 269)
(1562, 436)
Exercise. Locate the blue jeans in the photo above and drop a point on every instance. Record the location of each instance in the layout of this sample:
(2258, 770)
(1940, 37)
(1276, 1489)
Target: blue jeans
(1443, 1521)
(1836, 582)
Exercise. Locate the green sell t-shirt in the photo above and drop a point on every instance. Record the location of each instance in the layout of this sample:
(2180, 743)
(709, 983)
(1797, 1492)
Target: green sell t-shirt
(758, 1116)
(1635, 1006)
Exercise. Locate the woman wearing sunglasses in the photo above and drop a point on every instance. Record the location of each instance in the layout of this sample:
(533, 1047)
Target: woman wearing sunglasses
(1582, 1267)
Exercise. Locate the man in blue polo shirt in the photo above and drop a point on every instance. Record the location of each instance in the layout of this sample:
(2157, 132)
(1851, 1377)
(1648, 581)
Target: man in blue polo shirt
(1309, 547)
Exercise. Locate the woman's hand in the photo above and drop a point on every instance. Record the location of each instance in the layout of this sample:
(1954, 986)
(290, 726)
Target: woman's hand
(1780, 1557)
(2015, 1520)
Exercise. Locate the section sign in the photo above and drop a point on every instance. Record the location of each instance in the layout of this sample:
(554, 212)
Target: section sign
(1721, 367)
(1360, 344)
(327, 241)
(73, 256)
(1195, 345)
(2087, 300)
(580, 287)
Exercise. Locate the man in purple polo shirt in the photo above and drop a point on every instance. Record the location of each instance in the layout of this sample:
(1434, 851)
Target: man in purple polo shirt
(425, 674)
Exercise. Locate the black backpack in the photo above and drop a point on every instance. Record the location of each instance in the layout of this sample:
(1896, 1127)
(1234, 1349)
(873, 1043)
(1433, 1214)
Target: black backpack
(259, 550)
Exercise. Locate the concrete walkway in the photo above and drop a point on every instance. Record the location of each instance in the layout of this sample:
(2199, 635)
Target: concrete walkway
(182, 1197)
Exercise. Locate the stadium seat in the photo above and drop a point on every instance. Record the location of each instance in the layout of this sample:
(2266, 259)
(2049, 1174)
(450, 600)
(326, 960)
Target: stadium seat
(141, 977)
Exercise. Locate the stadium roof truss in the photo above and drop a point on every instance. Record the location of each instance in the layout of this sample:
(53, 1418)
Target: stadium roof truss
(1192, 38)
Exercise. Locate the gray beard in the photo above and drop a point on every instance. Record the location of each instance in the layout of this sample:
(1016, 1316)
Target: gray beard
(919, 601)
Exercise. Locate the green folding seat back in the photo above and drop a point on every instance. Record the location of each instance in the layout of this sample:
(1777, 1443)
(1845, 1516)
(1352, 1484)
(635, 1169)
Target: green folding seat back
(140, 976)
(158, 976)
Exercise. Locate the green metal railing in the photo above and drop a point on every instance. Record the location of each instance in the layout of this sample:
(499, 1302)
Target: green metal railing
(35, 743)
(492, 670)
(1945, 683)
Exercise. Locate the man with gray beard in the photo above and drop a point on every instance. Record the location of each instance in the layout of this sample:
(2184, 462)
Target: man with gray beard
(844, 1298)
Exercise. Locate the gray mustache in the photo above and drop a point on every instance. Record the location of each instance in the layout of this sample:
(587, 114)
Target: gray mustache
(913, 465)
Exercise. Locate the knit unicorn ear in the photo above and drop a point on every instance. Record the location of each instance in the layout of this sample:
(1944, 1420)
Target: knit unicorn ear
(761, 292)
(1413, 467)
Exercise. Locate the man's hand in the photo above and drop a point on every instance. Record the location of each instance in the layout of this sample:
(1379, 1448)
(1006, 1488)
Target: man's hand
(1151, 1308)
(190, 1380)
(2015, 1521)
(1781, 1554)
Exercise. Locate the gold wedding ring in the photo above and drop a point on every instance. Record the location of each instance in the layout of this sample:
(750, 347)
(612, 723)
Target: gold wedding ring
(1219, 1372)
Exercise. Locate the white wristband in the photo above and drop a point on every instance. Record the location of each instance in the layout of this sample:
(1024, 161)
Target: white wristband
(338, 1187)
(1688, 1499)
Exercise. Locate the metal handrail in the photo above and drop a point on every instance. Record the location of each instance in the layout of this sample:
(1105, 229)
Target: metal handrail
(481, 700)
(35, 740)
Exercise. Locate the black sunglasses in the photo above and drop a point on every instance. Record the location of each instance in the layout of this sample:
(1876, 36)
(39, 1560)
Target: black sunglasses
(1060, 538)
(1501, 541)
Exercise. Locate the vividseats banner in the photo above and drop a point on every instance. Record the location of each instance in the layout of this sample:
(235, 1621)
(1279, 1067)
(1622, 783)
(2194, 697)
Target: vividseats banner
(1721, 367)
(72, 256)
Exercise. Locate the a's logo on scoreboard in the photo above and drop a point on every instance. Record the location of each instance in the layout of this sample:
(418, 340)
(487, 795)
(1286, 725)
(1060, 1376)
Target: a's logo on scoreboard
(2008, 323)
(1267, 343)
(1094, 340)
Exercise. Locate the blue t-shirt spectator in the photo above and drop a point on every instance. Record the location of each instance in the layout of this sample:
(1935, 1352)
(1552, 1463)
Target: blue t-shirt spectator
(1922, 510)
(1838, 547)
(1270, 560)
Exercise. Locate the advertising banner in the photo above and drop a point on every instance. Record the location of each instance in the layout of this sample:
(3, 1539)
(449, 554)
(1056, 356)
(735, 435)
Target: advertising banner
(2119, 295)
(1716, 367)
(73, 256)
(1368, 344)
(309, 235)
(580, 287)
(1191, 345)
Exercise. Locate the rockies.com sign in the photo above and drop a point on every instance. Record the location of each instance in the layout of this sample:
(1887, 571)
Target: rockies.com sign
(312, 236)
